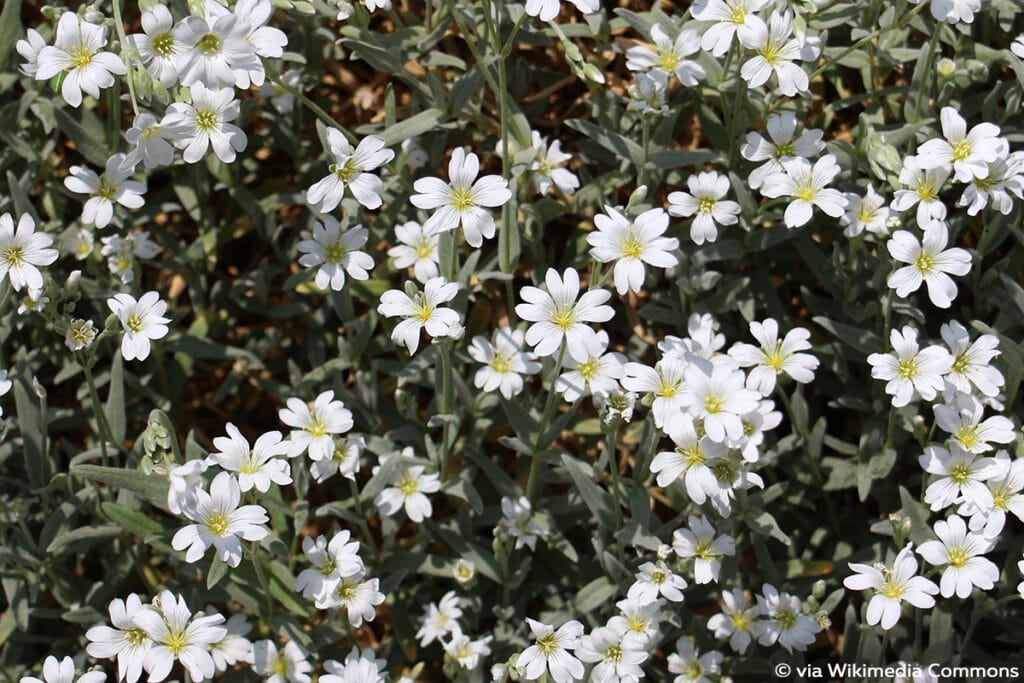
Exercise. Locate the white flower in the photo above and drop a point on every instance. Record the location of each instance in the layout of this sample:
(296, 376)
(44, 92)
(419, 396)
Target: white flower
(735, 621)
(336, 253)
(775, 51)
(962, 418)
(617, 658)
(461, 201)
(313, 429)
(637, 621)
(344, 460)
(869, 212)
(1007, 497)
(256, 466)
(1004, 178)
(958, 473)
(5, 386)
(408, 489)
(717, 396)
(23, 251)
(615, 405)
(784, 145)
(78, 51)
(775, 357)
(29, 49)
(546, 10)
(125, 640)
(351, 169)
(331, 562)
(464, 571)
(149, 140)
(142, 321)
(705, 200)
(251, 17)
(113, 186)
(550, 652)
(359, 598)
(922, 187)
(161, 45)
(422, 311)
(732, 17)
(806, 184)
(504, 362)
(467, 652)
(971, 360)
(417, 249)
(700, 543)
(281, 97)
(599, 373)
(656, 579)
(929, 262)
(692, 666)
(34, 301)
(205, 123)
(517, 522)
(689, 460)
(289, 665)
(1017, 47)
(966, 153)
(63, 671)
(785, 622)
(122, 251)
(961, 553)
(80, 334)
(558, 318)
(220, 522)
(665, 381)
(184, 481)
(178, 636)
(234, 647)
(547, 167)
(440, 620)
(953, 11)
(632, 244)
(648, 93)
(908, 370)
(669, 56)
(213, 48)
(892, 585)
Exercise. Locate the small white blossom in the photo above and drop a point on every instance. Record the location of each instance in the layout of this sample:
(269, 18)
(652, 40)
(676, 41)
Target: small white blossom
(23, 251)
(559, 318)
(113, 186)
(960, 552)
(892, 586)
(631, 245)
(313, 429)
(220, 522)
(336, 253)
(910, 369)
(78, 51)
(422, 311)
(142, 321)
(351, 169)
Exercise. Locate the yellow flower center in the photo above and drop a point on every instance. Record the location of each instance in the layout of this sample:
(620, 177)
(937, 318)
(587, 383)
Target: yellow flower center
(695, 671)
(961, 150)
(500, 364)
(658, 577)
(163, 44)
(667, 388)
(206, 119)
(927, 190)
(407, 486)
(957, 557)
(346, 171)
(613, 654)
(80, 57)
(218, 524)
(891, 589)
(783, 149)
(806, 193)
(637, 623)
(461, 198)
(346, 590)
(548, 645)
(925, 263)
(960, 474)
(738, 14)
(786, 619)
(424, 249)
(713, 404)
(106, 190)
(667, 60)
(706, 204)
(907, 369)
(423, 310)
(1001, 498)
(249, 465)
(691, 455)
(335, 253)
(135, 636)
(281, 665)
(316, 428)
(967, 436)
(328, 567)
(14, 256)
(705, 551)
(564, 317)
(740, 621)
(134, 323)
(771, 52)
(588, 369)
(176, 642)
(775, 358)
(209, 44)
(632, 248)
(960, 363)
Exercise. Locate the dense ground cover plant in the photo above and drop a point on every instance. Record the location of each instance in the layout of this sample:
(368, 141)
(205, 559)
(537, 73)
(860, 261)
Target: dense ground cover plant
(388, 340)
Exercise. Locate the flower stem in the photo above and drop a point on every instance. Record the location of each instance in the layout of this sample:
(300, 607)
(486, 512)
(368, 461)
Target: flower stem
(445, 404)
(97, 407)
(125, 55)
(613, 469)
(533, 483)
(926, 77)
(274, 77)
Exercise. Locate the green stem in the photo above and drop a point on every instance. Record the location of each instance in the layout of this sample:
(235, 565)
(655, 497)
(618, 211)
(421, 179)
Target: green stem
(357, 503)
(446, 404)
(264, 586)
(926, 75)
(613, 468)
(274, 77)
(533, 483)
(125, 56)
(869, 37)
(97, 407)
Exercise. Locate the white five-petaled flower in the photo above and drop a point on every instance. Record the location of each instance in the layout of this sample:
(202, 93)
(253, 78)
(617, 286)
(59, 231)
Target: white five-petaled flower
(251, 17)
(785, 622)
(256, 466)
(952, 11)
(313, 429)
(422, 310)
(517, 522)
(892, 586)
(125, 640)
(22, 251)
(214, 51)
(63, 671)
(909, 369)
(962, 418)
(440, 620)
(616, 657)
(958, 476)
(29, 49)
(971, 360)
(806, 185)
(691, 665)
(466, 651)
(776, 49)
(149, 140)
(921, 187)
(142, 321)
(669, 56)
(176, 635)
(781, 145)
(967, 153)
(559, 318)
(654, 580)
(929, 262)
(80, 335)
(408, 488)
(206, 122)
(336, 253)
(417, 249)
(160, 46)
(339, 559)
(598, 374)
(735, 621)
(631, 244)
(775, 356)
(699, 543)
(550, 652)
(504, 362)
(960, 551)
(287, 665)
(463, 200)
(665, 381)
(104, 190)
(548, 169)
(716, 394)
(234, 647)
(704, 202)
(78, 51)
(732, 18)
(344, 460)
(220, 522)
(869, 212)
(359, 598)
(689, 459)
(351, 169)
